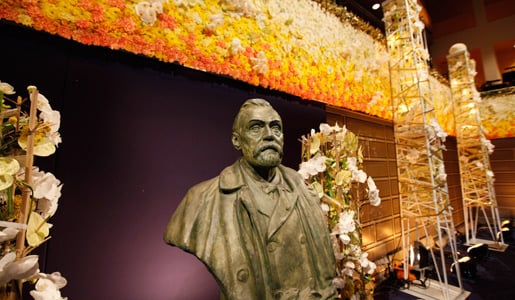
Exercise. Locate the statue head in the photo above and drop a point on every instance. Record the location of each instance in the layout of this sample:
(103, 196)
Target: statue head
(258, 133)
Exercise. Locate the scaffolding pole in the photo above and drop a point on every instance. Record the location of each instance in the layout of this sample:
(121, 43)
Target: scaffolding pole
(426, 214)
(477, 179)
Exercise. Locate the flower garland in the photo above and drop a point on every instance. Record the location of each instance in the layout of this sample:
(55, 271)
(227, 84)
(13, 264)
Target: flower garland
(28, 196)
(331, 164)
(498, 113)
(298, 48)
(315, 50)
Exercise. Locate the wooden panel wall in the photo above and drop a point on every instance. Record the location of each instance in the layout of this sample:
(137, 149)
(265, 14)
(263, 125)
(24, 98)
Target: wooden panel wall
(452, 168)
(502, 161)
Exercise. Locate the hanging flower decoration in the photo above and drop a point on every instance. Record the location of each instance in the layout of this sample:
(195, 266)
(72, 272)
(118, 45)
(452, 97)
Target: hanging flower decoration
(302, 49)
(332, 165)
(28, 196)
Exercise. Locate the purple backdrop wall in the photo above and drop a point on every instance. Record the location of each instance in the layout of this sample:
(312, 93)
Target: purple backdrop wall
(136, 135)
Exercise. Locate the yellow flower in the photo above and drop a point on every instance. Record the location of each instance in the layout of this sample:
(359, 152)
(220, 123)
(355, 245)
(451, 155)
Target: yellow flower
(8, 167)
(37, 229)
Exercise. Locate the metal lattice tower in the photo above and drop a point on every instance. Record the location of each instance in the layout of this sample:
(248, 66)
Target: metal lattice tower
(477, 187)
(425, 209)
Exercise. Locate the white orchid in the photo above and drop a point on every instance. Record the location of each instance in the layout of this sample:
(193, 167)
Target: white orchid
(359, 176)
(12, 268)
(47, 136)
(373, 192)
(327, 129)
(48, 287)
(349, 268)
(6, 88)
(346, 222)
(313, 166)
(8, 234)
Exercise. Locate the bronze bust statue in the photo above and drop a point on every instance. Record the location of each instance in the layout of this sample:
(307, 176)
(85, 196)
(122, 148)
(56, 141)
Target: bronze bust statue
(257, 227)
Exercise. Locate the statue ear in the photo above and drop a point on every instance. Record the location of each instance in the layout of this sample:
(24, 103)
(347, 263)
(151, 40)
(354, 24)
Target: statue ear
(236, 141)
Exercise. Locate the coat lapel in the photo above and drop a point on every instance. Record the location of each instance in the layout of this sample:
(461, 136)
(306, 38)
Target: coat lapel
(285, 206)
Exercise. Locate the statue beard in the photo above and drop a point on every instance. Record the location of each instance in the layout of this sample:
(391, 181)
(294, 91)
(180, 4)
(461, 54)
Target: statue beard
(269, 155)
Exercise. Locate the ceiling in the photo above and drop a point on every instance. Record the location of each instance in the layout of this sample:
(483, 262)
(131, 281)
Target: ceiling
(445, 17)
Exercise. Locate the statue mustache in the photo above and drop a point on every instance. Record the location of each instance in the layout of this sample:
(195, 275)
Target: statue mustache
(267, 146)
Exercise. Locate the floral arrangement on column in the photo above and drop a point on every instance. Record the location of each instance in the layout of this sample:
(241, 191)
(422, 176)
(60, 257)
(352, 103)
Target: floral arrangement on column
(28, 196)
(332, 164)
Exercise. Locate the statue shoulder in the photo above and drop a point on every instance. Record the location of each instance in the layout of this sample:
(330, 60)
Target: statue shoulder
(190, 213)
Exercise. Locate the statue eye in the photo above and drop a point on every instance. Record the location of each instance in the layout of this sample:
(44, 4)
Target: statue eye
(276, 129)
(255, 128)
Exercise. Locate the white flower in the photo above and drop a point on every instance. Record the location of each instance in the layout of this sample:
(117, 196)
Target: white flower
(344, 238)
(345, 223)
(236, 46)
(8, 234)
(352, 163)
(23, 268)
(412, 155)
(43, 104)
(52, 117)
(56, 278)
(260, 63)
(490, 175)
(363, 260)
(489, 146)
(47, 189)
(359, 176)
(324, 206)
(147, 11)
(313, 166)
(216, 20)
(45, 185)
(439, 132)
(46, 289)
(368, 266)
(373, 192)
(371, 267)
(441, 176)
(6, 88)
(349, 268)
(339, 283)
(327, 129)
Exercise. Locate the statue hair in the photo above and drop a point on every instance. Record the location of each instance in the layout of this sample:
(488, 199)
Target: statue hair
(248, 104)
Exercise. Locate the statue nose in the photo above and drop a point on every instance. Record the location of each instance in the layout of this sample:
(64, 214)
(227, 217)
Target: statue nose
(268, 132)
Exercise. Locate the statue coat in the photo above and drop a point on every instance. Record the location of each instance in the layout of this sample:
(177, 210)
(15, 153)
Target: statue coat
(215, 222)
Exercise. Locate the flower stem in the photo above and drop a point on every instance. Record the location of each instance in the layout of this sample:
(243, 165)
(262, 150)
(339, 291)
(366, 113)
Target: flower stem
(29, 161)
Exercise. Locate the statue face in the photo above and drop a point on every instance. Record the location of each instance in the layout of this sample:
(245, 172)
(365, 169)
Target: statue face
(260, 137)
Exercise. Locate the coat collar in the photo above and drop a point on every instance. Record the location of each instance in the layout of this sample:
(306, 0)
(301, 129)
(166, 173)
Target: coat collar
(231, 178)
